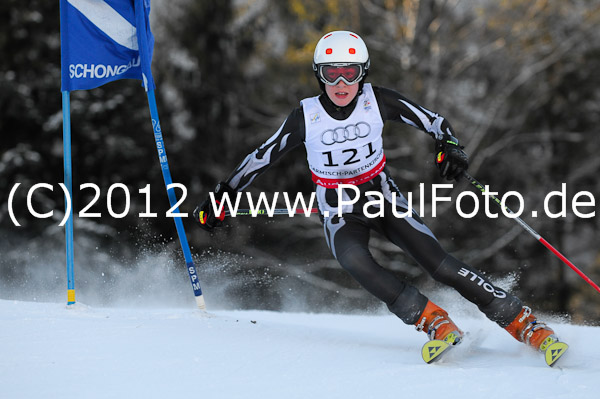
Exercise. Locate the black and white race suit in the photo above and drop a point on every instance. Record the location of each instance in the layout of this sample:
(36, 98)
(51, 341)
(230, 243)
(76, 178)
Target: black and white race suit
(345, 145)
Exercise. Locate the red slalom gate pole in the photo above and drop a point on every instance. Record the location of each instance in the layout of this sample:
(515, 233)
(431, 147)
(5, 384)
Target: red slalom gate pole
(531, 231)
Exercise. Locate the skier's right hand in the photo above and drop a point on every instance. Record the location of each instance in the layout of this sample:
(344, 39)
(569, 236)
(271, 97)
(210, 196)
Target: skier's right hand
(206, 215)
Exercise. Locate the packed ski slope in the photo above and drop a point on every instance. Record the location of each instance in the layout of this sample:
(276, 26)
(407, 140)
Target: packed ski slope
(49, 351)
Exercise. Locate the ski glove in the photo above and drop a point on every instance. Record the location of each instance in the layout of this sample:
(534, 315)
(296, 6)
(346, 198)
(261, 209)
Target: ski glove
(204, 213)
(450, 159)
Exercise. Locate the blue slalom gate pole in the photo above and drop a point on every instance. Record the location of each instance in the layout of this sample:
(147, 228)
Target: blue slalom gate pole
(164, 165)
(68, 177)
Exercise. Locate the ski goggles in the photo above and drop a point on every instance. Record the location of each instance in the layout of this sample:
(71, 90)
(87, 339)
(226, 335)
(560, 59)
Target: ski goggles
(331, 74)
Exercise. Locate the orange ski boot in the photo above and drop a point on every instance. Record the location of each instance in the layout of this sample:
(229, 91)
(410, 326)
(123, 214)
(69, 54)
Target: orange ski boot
(440, 329)
(527, 329)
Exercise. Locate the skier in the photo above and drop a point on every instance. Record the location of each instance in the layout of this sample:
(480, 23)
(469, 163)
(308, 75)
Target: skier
(341, 130)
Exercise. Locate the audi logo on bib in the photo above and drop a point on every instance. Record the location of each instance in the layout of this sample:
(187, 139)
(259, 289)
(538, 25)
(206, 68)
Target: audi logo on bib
(346, 133)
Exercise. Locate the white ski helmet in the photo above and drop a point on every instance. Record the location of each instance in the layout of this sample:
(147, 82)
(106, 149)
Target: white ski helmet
(340, 49)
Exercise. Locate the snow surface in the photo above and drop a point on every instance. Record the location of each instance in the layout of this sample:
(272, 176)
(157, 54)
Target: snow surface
(49, 351)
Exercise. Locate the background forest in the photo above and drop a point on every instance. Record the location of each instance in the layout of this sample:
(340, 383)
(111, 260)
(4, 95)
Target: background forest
(518, 80)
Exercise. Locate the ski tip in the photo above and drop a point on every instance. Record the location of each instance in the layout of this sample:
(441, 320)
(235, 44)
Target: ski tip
(432, 350)
(555, 352)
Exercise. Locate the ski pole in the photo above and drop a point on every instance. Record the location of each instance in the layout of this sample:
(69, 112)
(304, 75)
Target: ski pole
(276, 211)
(531, 231)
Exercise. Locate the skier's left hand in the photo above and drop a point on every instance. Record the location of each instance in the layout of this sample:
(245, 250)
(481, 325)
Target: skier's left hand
(450, 159)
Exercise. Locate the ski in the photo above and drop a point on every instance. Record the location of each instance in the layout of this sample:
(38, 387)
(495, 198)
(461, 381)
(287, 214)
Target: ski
(434, 349)
(554, 352)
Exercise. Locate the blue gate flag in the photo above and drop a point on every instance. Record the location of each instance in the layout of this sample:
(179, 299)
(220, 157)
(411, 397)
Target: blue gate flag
(101, 41)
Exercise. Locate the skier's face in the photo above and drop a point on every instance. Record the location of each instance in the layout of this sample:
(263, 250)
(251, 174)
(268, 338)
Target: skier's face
(341, 94)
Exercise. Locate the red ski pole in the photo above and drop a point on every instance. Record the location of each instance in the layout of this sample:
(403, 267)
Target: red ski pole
(531, 231)
(276, 211)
